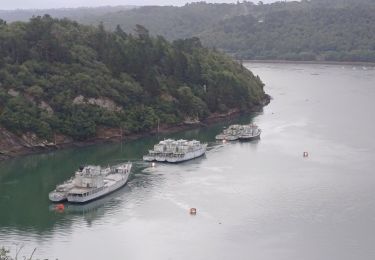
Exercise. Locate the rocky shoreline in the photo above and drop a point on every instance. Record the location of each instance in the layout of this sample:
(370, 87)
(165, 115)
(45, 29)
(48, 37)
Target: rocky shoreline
(12, 145)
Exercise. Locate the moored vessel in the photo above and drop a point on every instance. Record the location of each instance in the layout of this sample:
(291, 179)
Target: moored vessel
(250, 132)
(61, 192)
(173, 151)
(91, 182)
(239, 132)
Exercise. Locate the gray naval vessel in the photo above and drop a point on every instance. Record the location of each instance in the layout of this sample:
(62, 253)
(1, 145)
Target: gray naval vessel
(173, 151)
(240, 132)
(91, 182)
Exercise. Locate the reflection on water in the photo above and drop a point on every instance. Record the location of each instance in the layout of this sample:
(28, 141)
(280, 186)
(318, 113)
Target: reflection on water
(26, 182)
(260, 199)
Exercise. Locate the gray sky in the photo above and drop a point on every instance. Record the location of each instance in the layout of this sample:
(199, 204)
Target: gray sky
(42, 4)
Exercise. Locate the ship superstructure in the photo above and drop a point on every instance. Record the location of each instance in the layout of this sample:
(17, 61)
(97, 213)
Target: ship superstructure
(240, 132)
(91, 182)
(174, 151)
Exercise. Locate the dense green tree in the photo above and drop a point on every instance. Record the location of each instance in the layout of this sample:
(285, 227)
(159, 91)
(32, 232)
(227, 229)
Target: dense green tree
(335, 30)
(57, 76)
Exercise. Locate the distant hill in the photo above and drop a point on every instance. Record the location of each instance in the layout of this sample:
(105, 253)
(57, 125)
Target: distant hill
(333, 30)
(76, 14)
(337, 30)
(333, 34)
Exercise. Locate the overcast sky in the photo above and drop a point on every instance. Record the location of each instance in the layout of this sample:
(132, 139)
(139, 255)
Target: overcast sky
(42, 4)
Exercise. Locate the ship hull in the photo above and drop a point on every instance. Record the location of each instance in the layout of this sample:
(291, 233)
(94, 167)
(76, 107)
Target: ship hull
(187, 157)
(246, 138)
(220, 137)
(149, 158)
(176, 159)
(105, 191)
(56, 197)
(231, 138)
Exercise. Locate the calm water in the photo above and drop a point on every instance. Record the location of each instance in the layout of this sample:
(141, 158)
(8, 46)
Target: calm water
(259, 200)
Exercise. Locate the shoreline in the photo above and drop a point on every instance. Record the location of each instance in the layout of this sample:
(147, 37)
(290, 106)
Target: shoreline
(214, 118)
(357, 63)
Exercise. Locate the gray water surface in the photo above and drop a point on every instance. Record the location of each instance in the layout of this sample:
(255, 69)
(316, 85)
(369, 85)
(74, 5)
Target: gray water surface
(258, 200)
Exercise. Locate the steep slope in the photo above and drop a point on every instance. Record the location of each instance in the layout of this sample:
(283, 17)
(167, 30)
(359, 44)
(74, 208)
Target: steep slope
(340, 30)
(63, 81)
(334, 30)
(336, 34)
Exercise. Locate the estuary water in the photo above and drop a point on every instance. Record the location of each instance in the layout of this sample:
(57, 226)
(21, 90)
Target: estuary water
(256, 200)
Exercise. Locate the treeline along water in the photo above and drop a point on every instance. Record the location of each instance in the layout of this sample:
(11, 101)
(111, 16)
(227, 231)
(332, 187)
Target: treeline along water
(260, 199)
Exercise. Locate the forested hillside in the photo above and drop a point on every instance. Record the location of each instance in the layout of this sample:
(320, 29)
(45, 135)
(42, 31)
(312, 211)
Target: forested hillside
(334, 34)
(338, 30)
(59, 77)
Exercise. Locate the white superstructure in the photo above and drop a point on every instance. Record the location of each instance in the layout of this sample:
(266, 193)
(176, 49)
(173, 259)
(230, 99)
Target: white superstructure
(231, 133)
(250, 132)
(91, 182)
(61, 192)
(176, 151)
(239, 132)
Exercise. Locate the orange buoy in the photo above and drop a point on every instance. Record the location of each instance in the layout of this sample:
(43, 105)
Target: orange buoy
(193, 211)
(60, 207)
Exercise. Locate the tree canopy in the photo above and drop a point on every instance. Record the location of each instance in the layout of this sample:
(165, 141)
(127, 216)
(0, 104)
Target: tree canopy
(57, 76)
(334, 30)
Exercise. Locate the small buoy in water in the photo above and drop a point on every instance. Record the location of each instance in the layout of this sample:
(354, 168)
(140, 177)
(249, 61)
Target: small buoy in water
(193, 211)
(224, 141)
(153, 164)
(305, 154)
(60, 207)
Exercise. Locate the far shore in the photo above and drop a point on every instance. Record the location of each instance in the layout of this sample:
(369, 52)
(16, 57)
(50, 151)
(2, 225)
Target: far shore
(356, 63)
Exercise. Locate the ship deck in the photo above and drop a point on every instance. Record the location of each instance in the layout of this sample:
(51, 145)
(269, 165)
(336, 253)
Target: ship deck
(109, 180)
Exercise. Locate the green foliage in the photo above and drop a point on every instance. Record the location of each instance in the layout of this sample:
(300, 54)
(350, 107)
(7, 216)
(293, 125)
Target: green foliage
(317, 33)
(57, 76)
(336, 30)
(80, 123)
(34, 91)
(21, 115)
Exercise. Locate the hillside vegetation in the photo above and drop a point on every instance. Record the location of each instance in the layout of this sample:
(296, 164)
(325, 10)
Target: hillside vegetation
(57, 76)
(338, 30)
(334, 34)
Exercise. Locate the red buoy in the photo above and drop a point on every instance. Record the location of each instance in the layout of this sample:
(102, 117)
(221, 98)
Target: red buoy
(60, 207)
